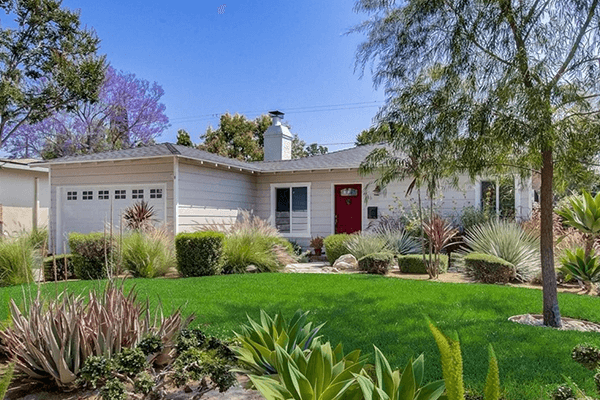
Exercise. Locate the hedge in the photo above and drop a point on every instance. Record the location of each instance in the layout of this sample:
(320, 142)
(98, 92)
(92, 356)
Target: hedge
(413, 263)
(488, 268)
(376, 263)
(199, 253)
(61, 261)
(92, 253)
(335, 246)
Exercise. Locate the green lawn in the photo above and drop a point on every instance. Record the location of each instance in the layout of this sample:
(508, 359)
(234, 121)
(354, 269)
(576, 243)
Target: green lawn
(364, 310)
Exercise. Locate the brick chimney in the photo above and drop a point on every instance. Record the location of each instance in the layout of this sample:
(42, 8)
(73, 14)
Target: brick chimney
(278, 139)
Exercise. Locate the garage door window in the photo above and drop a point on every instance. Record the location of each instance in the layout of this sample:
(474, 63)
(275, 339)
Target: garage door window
(137, 194)
(120, 194)
(87, 195)
(71, 195)
(102, 194)
(156, 193)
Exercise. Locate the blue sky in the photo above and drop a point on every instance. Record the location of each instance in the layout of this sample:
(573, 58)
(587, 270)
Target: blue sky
(252, 58)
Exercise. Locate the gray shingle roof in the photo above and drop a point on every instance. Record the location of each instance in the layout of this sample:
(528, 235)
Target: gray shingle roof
(342, 159)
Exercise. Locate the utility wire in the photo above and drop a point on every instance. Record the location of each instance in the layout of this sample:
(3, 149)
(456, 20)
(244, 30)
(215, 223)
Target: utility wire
(296, 110)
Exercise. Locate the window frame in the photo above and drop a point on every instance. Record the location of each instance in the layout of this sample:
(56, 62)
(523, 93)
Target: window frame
(292, 234)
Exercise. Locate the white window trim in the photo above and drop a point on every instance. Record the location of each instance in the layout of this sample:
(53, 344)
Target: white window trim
(362, 203)
(274, 187)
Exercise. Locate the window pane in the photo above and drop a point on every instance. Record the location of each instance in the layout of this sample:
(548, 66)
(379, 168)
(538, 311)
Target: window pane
(299, 199)
(282, 209)
(283, 199)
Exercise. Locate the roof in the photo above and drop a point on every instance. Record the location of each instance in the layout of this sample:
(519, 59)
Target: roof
(342, 159)
(26, 164)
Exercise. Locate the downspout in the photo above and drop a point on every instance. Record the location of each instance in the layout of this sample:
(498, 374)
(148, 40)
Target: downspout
(36, 203)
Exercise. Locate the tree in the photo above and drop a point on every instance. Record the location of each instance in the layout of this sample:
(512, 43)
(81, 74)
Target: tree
(128, 113)
(510, 84)
(48, 63)
(372, 135)
(184, 139)
(241, 138)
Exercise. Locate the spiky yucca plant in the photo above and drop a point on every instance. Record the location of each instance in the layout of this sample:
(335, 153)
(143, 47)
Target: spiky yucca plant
(508, 241)
(50, 339)
(365, 244)
(399, 241)
(139, 216)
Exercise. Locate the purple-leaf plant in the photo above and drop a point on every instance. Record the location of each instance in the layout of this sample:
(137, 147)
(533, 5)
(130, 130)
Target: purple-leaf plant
(128, 113)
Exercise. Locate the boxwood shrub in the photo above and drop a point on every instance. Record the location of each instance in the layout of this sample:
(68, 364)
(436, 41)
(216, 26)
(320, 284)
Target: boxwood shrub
(376, 263)
(62, 260)
(92, 253)
(413, 264)
(335, 246)
(487, 268)
(199, 253)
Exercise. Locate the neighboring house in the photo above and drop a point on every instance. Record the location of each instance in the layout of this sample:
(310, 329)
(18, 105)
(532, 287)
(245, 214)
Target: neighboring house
(189, 188)
(24, 196)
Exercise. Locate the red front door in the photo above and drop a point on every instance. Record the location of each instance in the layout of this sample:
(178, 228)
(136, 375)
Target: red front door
(348, 208)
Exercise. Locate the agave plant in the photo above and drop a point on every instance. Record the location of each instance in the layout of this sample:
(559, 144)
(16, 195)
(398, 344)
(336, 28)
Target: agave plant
(508, 241)
(139, 216)
(583, 214)
(322, 374)
(579, 265)
(51, 339)
(258, 340)
(399, 385)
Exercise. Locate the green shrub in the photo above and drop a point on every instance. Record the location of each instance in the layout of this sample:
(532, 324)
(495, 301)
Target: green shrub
(508, 241)
(62, 261)
(151, 344)
(199, 253)
(148, 254)
(17, 261)
(96, 369)
(335, 246)
(376, 263)
(194, 364)
(143, 383)
(413, 263)
(563, 392)
(189, 338)
(92, 254)
(587, 355)
(488, 269)
(130, 361)
(113, 390)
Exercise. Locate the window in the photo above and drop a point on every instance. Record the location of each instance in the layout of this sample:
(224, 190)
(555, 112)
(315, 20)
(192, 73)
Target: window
(87, 195)
(156, 193)
(120, 194)
(291, 209)
(137, 194)
(102, 194)
(71, 195)
(498, 197)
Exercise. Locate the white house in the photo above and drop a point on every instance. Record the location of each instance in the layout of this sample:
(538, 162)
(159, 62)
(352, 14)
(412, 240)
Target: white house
(24, 196)
(304, 198)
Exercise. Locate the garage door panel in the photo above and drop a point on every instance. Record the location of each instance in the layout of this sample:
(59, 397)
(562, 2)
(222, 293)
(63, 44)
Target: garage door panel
(86, 209)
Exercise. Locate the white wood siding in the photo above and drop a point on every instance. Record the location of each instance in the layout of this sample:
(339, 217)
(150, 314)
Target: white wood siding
(212, 195)
(322, 197)
(151, 171)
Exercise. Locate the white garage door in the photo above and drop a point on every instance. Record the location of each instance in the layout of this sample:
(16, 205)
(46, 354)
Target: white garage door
(86, 209)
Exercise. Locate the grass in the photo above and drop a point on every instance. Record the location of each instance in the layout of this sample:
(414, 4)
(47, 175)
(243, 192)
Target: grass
(363, 310)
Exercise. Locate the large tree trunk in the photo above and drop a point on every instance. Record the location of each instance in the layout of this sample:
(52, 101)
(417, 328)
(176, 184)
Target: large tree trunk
(551, 311)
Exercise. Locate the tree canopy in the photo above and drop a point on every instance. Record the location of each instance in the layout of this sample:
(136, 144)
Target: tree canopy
(48, 63)
(243, 139)
(498, 84)
(128, 113)
(184, 139)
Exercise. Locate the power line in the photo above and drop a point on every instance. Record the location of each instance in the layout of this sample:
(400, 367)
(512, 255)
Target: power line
(294, 110)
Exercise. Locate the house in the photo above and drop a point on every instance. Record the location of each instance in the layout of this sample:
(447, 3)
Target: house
(24, 196)
(188, 188)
